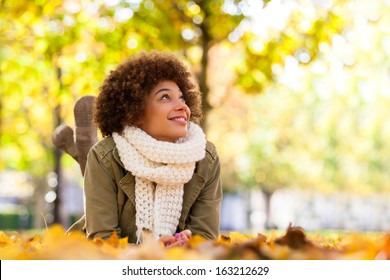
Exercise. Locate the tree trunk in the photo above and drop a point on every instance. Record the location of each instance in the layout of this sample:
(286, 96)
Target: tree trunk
(1, 112)
(267, 195)
(57, 158)
(202, 76)
(58, 189)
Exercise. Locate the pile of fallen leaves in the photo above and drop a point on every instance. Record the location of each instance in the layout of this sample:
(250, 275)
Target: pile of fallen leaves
(294, 244)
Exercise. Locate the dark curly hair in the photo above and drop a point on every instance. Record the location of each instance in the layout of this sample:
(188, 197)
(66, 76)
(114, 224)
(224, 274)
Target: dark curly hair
(121, 99)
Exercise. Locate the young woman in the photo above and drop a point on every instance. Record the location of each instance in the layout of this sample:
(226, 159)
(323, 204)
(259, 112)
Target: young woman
(154, 173)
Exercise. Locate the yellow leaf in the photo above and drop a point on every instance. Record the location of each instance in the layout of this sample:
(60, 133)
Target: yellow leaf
(196, 240)
(4, 239)
(235, 238)
(182, 253)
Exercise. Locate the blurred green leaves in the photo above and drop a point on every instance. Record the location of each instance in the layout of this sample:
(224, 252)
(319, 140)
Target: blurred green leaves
(322, 125)
(321, 66)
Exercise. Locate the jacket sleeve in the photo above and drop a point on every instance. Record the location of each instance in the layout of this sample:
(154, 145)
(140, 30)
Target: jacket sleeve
(204, 216)
(100, 195)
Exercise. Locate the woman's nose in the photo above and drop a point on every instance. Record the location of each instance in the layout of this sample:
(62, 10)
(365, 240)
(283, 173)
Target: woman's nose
(180, 105)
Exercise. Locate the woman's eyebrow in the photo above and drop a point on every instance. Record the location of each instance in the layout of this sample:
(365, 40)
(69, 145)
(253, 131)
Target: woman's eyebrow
(165, 89)
(161, 89)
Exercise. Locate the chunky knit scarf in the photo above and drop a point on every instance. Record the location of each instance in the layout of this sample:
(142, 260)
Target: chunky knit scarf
(160, 169)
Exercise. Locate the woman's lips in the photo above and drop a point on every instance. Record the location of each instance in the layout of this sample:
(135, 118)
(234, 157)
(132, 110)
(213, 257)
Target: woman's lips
(179, 120)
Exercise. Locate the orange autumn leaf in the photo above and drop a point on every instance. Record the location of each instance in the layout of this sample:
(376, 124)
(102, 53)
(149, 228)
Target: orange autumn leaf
(295, 243)
(384, 253)
(234, 238)
(33, 243)
(4, 239)
(182, 253)
(196, 240)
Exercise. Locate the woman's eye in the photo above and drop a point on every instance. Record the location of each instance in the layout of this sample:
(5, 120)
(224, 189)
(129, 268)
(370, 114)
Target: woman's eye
(183, 98)
(165, 96)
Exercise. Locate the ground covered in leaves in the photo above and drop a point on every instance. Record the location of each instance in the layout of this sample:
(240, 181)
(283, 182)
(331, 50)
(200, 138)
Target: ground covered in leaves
(294, 243)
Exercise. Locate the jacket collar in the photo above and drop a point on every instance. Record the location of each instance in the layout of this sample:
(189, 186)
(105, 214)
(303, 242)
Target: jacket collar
(115, 153)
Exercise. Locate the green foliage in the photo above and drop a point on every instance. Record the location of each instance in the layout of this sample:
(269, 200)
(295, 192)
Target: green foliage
(52, 53)
(301, 37)
(323, 125)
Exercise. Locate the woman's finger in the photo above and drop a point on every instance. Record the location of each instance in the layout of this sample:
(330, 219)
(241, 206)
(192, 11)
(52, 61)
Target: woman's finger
(167, 240)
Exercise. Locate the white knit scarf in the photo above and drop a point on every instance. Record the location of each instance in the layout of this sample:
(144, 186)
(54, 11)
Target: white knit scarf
(169, 166)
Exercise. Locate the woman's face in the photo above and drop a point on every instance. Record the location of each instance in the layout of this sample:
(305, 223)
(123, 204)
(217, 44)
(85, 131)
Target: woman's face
(166, 113)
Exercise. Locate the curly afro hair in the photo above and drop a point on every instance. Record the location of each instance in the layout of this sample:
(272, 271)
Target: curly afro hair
(122, 96)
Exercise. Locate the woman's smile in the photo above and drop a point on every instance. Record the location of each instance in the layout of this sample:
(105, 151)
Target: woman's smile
(182, 120)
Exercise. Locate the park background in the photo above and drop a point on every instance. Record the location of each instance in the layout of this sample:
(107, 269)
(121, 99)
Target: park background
(295, 94)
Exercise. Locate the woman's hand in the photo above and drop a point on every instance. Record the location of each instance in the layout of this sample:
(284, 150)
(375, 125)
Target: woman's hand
(179, 239)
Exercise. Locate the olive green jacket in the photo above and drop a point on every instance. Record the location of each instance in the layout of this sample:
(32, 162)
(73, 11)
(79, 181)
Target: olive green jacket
(110, 197)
